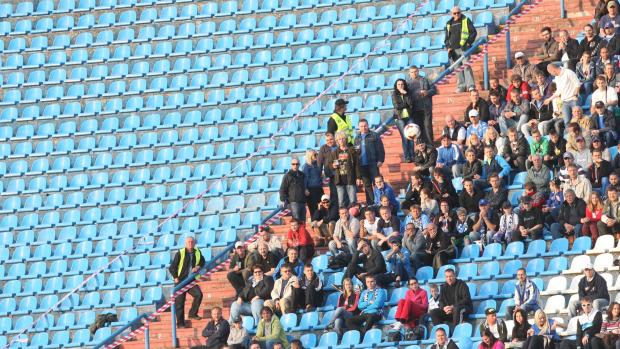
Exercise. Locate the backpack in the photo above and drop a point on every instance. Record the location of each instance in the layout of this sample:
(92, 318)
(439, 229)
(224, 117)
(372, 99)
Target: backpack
(102, 320)
(415, 333)
(338, 261)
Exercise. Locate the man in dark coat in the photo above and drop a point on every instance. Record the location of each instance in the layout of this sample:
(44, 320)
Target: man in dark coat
(217, 330)
(460, 36)
(293, 191)
(188, 260)
(454, 302)
(593, 286)
(372, 263)
(371, 156)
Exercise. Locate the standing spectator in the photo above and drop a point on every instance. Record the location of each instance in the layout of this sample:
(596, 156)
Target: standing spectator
(250, 301)
(478, 104)
(424, 158)
(269, 331)
(497, 195)
(293, 191)
(265, 258)
(579, 184)
(539, 174)
(314, 180)
(555, 150)
(398, 259)
(516, 150)
(238, 337)
(611, 326)
(603, 93)
(594, 212)
(486, 225)
(381, 189)
(515, 114)
(448, 158)
(586, 70)
(324, 220)
(340, 122)
(455, 301)
(568, 50)
(543, 84)
(299, 238)
(569, 217)
(590, 42)
(456, 132)
(476, 127)
(187, 260)
(442, 341)
(217, 330)
(345, 234)
(470, 197)
(522, 87)
(472, 168)
(496, 88)
(548, 52)
(310, 286)
(526, 296)
(422, 91)
(603, 123)
(413, 306)
(508, 225)
(347, 307)
(519, 330)
(460, 35)
(495, 327)
(372, 262)
(612, 17)
(567, 91)
(371, 157)
(387, 226)
(523, 68)
(610, 221)
(403, 112)
(328, 170)
(543, 333)
(284, 292)
(371, 302)
(541, 115)
(239, 267)
(593, 286)
(345, 163)
(598, 170)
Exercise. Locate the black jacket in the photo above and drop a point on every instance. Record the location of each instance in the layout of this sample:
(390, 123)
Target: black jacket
(402, 102)
(596, 174)
(451, 345)
(174, 266)
(592, 330)
(262, 290)
(522, 150)
(454, 133)
(457, 295)
(352, 163)
(413, 196)
(373, 264)
(544, 113)
(374, 148)
(293, 187)
(217, 335)
(470, 202)
(453, 36)
(323, 155)
(267, 263)
(496, 199)
(613, 45)
(572, 214)
(593, 46)
(609, 122)
(439, 189)
(471, 169)
(572, 50)
(482, 107)
(501, 329)
(426, 159)
(595, 289)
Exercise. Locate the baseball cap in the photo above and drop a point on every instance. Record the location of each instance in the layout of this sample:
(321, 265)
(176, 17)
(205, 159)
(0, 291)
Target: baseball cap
(519, 54)
(483, 202)
(599, 104)
(490, 311)
(395, 240)
(340, 102)
(596, 139)
(588, 266)
(608, 24)
(610, 4)
(580, 138)
(325, 198)
(568, 155)
(473, 112)
(238, 244)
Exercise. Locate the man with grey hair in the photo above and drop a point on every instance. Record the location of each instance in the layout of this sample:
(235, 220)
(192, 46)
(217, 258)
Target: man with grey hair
(460, 34)
(569, 217)
(187, 260)
(345, 233)
(567, 84)
(538, 173)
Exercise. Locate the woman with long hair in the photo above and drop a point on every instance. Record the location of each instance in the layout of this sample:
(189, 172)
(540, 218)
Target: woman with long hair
(543, 333)
(519, 330)
(403, 113)
(473, 142)
(489, 341)
(610, 331)
(347, 306)
(594, 212)
(491, 137)
(314, 180)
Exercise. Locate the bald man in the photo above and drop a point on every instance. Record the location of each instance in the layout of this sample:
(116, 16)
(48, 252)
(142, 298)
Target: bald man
(460, 35)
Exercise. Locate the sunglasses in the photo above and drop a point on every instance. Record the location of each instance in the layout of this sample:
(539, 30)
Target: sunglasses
(295, 164)
(456, 13)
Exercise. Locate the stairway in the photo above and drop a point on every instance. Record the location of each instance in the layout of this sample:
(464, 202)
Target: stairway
(524, 36)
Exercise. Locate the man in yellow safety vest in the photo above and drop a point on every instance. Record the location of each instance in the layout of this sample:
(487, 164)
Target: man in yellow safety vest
(460, 35)
(339, 121)
(187, 260)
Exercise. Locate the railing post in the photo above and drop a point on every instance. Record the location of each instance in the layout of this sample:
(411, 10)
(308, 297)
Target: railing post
(173, 316)
(562, 9)
(147, 340)
(508, 56)
(485, 70)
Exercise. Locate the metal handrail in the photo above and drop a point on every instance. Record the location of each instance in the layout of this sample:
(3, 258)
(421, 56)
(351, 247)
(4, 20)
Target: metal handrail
(119, 331)
(514, 11)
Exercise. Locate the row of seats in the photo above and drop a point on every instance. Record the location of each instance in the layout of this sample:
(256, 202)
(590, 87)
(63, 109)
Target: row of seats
(61, 339)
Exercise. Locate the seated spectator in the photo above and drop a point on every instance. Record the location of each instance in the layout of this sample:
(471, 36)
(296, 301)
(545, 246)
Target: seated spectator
(516, 150)
(530, 222)
(414, 241)
(324, 220)
(524, 69)
(496, 88)
(368, 227)
(309, 291)
(543, 83)
(217, 330)
(251, 299)
(496, 107)
(555, 149)
(579, 184)
(538, 144)
(477, 126)
(399, 260)
(461, 228)
(586, 70)
(610, 221)
(444, 219)
(424, 158)
(490, 342)
(284, 292)
(371, 303)
(239, 267)
(478, 104)
(475, 144)
(428, 205)
(603, 93)
(449, 158)
(592, 286)
(299, 238)
(238, 337)
(454, 303)
(540, 116)
(588, 328)
(568, 50)
(296, 344)
(603, 59)
(538, 174)
(537, 198)
(591, 41)
(388, 226)
(472, 168)
(413, 194)
(254, 344)
(486, 225)
(372, 264)
(583, 156)
(383, 189)
(265, 259)
(442, 341)
(542, 334)
(416, 217)
(269, 332)
(347, 307)
(569, 217)
(438, 249)
(385, 202)
(273, 241)
(610, 70)
(411, 308)
(508, 226)
(610, 330)
(496, 327)
(569, 160)
(519, 330)
(345, 234)
(469, 197)
(614, 180)
(515, 114)
(603, 124)
(585, 125)
(292, 259)
(492, 138)
(526, 296)
(497, 195)
(434, 299)
(455, 131)
(493, 163)
(442, 188)
(555, 200)
(594, 212)
(521, 87)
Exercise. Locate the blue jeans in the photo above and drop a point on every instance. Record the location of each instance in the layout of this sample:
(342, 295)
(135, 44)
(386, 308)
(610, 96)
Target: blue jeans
(347, 194)
(567, 111)
(298, 211)
(348, 243)
(246, 308)
(407, 144)
(557, 230)
(337, 321)
(506, 123)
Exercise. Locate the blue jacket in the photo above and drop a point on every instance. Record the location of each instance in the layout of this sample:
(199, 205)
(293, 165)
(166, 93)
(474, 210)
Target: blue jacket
(449, 156)
(389, 192)
(555, 199)
(496, 164)
(298, 269)
(313, 174)
(397, 262)
(372, 302)
(480, 130)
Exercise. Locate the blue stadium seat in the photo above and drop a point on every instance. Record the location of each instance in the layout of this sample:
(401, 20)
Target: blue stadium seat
(558, 246)
(513, 250)
(510, 269)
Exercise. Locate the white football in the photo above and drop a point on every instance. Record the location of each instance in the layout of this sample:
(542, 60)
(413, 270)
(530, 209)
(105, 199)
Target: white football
(412, 131)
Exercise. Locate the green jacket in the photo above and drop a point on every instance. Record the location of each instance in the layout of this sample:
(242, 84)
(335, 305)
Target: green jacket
(277, 333)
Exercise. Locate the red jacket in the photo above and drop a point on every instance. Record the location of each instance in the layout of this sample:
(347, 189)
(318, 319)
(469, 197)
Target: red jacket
(299, 238)
(524, 88)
